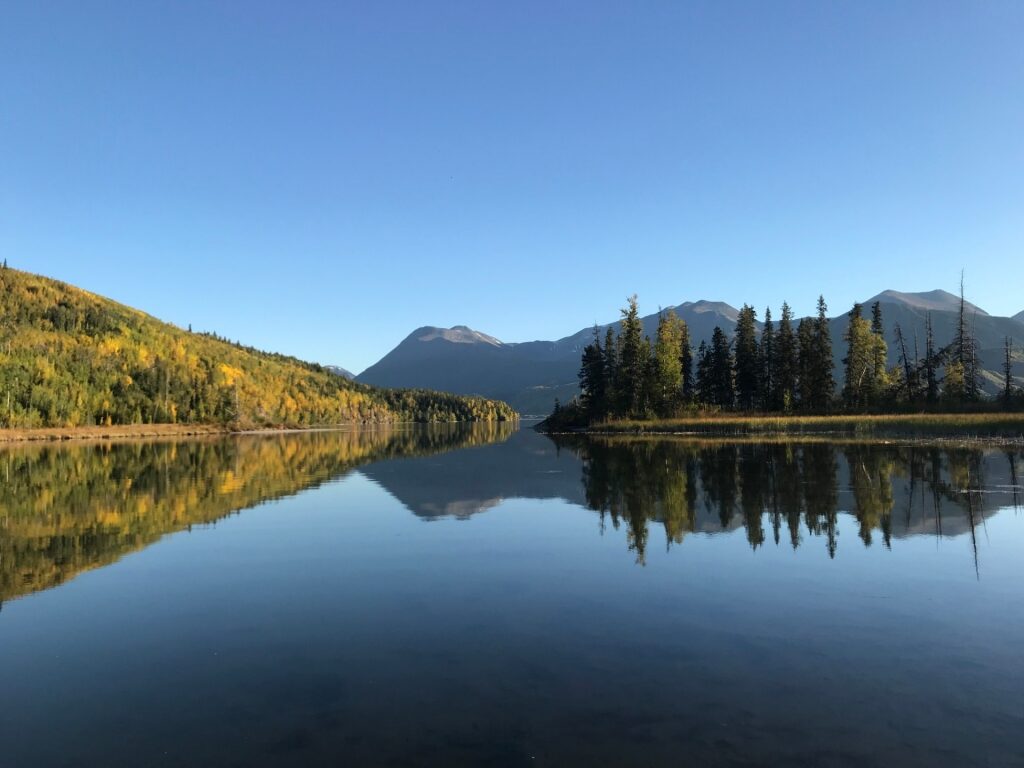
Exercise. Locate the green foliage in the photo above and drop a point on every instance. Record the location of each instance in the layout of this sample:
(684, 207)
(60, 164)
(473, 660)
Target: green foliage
(667, 376)
(69, 358)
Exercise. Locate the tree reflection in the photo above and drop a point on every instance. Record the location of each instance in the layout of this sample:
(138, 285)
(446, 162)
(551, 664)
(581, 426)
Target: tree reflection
(68, 508)
(704, 486)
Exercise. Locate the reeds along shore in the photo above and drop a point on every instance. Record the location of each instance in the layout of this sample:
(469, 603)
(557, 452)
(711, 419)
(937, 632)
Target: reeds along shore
(953, 425)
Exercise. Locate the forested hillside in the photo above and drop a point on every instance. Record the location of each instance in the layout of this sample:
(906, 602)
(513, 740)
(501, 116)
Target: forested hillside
(71, 358)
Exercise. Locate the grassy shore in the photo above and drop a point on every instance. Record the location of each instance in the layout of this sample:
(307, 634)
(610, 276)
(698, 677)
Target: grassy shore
(123, 431)
(953, 425)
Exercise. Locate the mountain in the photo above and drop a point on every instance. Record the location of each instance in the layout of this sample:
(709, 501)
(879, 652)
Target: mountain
(72, 358)
(1019, 316)
(911, 310)
(337, 370)
(527, 375)
(928, 301)
(531, 375)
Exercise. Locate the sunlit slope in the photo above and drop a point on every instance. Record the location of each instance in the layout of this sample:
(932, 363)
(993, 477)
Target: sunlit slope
(71, 358)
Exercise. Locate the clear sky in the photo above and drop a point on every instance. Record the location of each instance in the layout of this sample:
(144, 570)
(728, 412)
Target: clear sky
(321, 179)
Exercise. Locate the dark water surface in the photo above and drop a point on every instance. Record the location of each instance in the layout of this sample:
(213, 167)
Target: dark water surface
(487, 597)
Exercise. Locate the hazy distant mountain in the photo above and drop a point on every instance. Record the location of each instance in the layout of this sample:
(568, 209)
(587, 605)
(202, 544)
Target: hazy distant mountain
(1019, 316)
(928, 301)
(337, 370)
(530, 375)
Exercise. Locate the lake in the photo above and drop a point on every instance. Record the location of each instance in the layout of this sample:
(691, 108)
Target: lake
(489, 596)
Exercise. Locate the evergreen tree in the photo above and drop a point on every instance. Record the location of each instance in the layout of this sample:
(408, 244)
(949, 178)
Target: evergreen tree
(705, 388)
(1008, 372)
(592, 380)
(723, 389)
(611, 367)
(822, 384)
(785, 363)
(965, 352)
(686, 361)
(767, 360)
(879, 354)
(747, 361)
(667, 375)
(632, 367)
(911, 380)
(931, 362)
(805, 365)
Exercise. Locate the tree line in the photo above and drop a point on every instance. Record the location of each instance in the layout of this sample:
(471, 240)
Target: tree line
(786, 367)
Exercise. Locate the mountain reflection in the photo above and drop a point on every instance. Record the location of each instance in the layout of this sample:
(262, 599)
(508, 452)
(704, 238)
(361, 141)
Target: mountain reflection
(793, 490)
(68, 508)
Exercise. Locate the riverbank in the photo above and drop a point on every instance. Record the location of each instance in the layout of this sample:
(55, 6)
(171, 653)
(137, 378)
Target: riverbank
(1007, 426)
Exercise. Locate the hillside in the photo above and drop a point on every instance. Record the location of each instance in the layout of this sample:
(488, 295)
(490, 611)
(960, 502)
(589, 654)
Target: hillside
(530, 375)
(70, 358)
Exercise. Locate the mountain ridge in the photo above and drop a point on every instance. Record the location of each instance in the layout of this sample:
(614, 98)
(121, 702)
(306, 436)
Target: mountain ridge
(531, 375)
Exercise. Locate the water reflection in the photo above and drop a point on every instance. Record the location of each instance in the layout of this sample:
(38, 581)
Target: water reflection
(796, 490)
(65, 509)
(68, 508)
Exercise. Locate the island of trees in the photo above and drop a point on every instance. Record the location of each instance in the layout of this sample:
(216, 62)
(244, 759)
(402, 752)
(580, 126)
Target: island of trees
(784, 368)
(69, 358)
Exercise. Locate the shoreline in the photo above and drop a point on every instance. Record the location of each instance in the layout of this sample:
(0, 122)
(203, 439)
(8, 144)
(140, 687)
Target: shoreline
(1005, 428)
(140, 431)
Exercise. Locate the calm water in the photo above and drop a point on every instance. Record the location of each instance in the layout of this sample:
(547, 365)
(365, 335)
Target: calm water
(486, 597)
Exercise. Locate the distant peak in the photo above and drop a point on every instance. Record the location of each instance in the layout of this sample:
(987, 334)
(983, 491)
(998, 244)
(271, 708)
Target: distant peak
(929, 301)
(457, 334)
(703, 306)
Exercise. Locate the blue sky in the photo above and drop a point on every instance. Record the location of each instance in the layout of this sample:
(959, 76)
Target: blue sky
(320, 179)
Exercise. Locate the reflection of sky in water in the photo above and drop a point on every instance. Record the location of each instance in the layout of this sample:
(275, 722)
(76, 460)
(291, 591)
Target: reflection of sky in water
(336, 626)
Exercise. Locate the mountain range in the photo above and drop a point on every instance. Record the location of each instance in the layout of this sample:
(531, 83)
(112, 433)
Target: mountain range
(531, 375)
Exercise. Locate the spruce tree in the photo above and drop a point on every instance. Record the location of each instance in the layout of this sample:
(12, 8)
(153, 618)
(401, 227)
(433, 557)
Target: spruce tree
(633, 356)
(965, 352)
(704, 385)
(611, 367)
(592, 380)
(785, 363)
(805, 365)
(1008, 372)
(767, 362)
(823, 380)
(879, 353)
(724, 392)
(747, 361)
(686, 361)
(931, 362)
